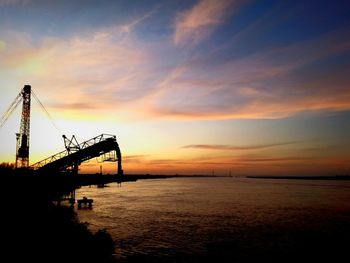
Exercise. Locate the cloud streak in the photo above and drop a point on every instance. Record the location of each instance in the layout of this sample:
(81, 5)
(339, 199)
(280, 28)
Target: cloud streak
(234, 148)
(196, 24)
(129, 27)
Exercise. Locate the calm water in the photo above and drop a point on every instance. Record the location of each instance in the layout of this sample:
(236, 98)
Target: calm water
(223, 219)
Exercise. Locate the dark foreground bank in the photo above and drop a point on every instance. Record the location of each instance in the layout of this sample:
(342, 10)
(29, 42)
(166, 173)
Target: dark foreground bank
(33, 229)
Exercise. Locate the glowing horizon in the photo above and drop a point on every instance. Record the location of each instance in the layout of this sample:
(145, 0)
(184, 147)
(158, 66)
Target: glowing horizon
(191, 87)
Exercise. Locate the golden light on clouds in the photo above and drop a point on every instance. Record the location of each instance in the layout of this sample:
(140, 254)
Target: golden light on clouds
(202, 74)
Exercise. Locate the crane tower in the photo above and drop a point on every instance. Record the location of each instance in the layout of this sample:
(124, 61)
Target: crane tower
(22, 138)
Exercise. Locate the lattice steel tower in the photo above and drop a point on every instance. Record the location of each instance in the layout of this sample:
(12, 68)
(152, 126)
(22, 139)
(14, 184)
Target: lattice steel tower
(22, 148)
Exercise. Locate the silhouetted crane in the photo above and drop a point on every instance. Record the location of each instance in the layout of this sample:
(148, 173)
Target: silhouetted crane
(102, 145)
(22, 138)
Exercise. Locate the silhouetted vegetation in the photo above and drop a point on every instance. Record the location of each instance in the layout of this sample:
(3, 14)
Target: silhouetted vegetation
(6, 167)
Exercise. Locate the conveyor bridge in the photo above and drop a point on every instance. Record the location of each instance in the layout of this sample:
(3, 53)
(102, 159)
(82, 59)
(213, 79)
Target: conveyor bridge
(104, 146)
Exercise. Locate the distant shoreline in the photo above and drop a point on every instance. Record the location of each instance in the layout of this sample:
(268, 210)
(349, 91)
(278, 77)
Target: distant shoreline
(329, 177)
(335, 177)
(135, 177)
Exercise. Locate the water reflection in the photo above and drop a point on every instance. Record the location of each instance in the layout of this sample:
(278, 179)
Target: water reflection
(232, 219)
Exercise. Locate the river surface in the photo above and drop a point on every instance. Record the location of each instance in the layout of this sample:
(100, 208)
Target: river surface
(222, 219)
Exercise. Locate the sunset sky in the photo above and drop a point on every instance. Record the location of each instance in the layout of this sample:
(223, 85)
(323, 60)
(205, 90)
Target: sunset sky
(188, 87)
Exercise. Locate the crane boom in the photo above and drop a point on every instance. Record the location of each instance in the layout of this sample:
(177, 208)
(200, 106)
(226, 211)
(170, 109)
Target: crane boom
(11, 109)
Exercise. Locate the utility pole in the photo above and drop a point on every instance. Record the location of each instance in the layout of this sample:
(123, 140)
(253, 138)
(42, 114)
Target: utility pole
(22, 138)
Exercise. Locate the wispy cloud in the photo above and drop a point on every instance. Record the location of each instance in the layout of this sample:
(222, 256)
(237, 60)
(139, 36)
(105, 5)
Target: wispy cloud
(127, 28)
(196, 24)
(113, 70)
(134, 159)
(232, 147)
(275, 159)
(73, 106)
(275, 83)
(106, 69)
